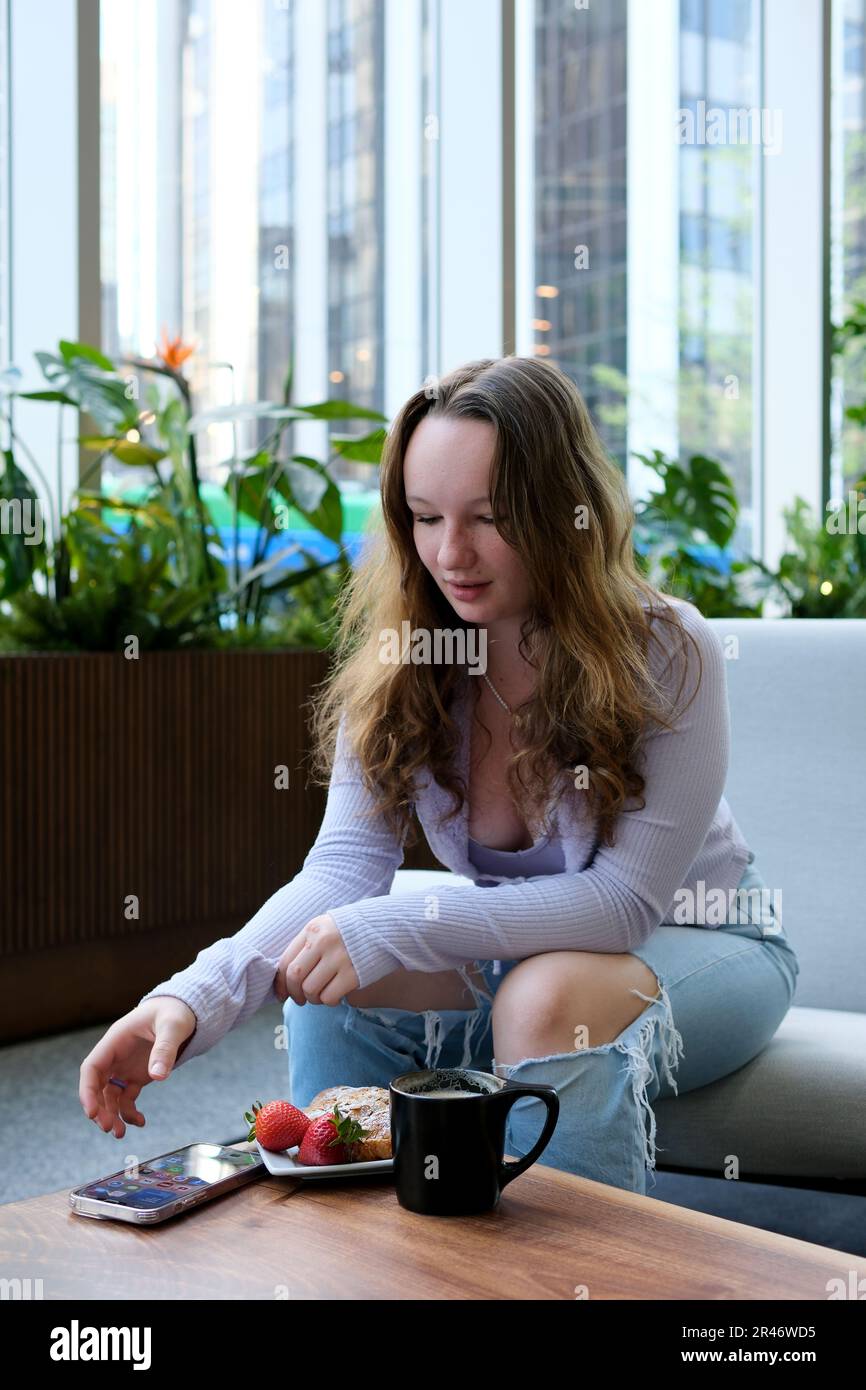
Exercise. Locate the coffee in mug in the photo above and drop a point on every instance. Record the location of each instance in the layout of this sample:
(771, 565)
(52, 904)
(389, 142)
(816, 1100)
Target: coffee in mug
(448, 1159)
(449, 1095)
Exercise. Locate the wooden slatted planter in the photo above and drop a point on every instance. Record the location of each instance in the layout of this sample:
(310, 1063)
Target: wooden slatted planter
(151, 780)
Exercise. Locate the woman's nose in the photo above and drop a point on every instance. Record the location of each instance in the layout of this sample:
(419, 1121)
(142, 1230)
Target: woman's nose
(456, 550)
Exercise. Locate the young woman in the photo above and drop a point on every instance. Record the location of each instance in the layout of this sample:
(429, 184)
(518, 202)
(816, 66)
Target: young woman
(561, 729)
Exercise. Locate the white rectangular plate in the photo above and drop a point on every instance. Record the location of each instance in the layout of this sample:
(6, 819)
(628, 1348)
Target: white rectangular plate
(286, 1165)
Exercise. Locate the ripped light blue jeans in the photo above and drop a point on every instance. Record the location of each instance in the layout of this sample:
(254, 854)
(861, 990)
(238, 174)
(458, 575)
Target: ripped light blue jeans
(723, 991)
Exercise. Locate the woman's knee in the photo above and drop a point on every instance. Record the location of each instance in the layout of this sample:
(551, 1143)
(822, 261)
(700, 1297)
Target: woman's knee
(552, 982)
(564, 1000)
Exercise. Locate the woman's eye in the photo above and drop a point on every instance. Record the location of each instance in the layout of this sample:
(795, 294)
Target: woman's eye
(428, 520)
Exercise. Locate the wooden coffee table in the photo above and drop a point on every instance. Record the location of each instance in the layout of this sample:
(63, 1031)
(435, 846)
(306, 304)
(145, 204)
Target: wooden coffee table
(552, 1236)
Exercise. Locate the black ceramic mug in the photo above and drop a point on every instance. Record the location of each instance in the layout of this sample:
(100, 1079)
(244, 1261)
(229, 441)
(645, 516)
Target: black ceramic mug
(448, 1138)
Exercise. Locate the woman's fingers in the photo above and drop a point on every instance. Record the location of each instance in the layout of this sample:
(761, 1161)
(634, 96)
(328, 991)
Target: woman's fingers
(102, 1100)
(90, 1089)
(111, 1097)
(317, 980)
(296, 972)
(95, 1071)
(128, 1108)
(304, 972)
(127, 1117)
(121, 1106)
(311, 970)
(294, 988)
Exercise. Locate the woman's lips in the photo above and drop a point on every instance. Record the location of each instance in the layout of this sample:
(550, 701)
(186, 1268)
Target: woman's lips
(467, 592)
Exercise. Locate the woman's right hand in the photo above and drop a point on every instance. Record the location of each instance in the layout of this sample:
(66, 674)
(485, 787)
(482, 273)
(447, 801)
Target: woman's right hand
(131, 1049)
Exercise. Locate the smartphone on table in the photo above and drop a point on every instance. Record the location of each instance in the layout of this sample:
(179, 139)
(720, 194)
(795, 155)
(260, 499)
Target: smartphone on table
(173, 1182)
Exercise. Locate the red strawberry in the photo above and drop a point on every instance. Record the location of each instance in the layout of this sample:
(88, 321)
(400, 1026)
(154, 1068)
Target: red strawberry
(331, 1139)
(278, 1125)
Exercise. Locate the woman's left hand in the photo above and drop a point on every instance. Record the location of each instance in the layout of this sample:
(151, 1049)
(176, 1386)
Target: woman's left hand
(315, 967)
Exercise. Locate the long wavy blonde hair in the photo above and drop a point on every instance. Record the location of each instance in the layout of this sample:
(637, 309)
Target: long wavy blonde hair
(586, 632)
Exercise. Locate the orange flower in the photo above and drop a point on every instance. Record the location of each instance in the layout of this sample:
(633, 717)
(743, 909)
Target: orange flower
(173, 351)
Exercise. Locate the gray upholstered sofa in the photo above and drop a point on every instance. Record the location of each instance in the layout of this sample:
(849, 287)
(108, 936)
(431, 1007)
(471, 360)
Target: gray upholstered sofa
(796, 1114)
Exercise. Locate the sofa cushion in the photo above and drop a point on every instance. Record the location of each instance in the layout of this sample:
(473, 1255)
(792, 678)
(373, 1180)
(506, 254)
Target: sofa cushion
(797, 786)
(798, 1109)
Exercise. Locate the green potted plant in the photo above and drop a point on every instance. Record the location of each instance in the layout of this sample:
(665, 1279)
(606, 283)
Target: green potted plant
(96, 588)
(682, 533)
(153, 689)
(823, 570)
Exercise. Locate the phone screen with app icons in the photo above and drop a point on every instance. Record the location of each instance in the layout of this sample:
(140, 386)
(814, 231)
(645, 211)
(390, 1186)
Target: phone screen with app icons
(173, 1175)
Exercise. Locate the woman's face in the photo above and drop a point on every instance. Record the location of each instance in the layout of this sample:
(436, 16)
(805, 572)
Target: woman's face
(446, 478)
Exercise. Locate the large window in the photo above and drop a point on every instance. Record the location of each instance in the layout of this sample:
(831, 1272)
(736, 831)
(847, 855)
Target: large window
(360, 228)
(277, 195)
(198, 195)
(680, 339)
(141, 175)
(580, 199)
(719, 186)
(429, 218)
(355, 200)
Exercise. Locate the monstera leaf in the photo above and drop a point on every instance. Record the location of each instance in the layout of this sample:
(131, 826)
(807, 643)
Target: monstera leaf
(699, 494)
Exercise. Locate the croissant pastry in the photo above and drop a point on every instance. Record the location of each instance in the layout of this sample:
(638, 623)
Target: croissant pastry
(370, 1106)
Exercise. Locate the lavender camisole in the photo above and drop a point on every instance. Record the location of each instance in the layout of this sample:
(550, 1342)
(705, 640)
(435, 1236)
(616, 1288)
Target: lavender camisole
(544, 857)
